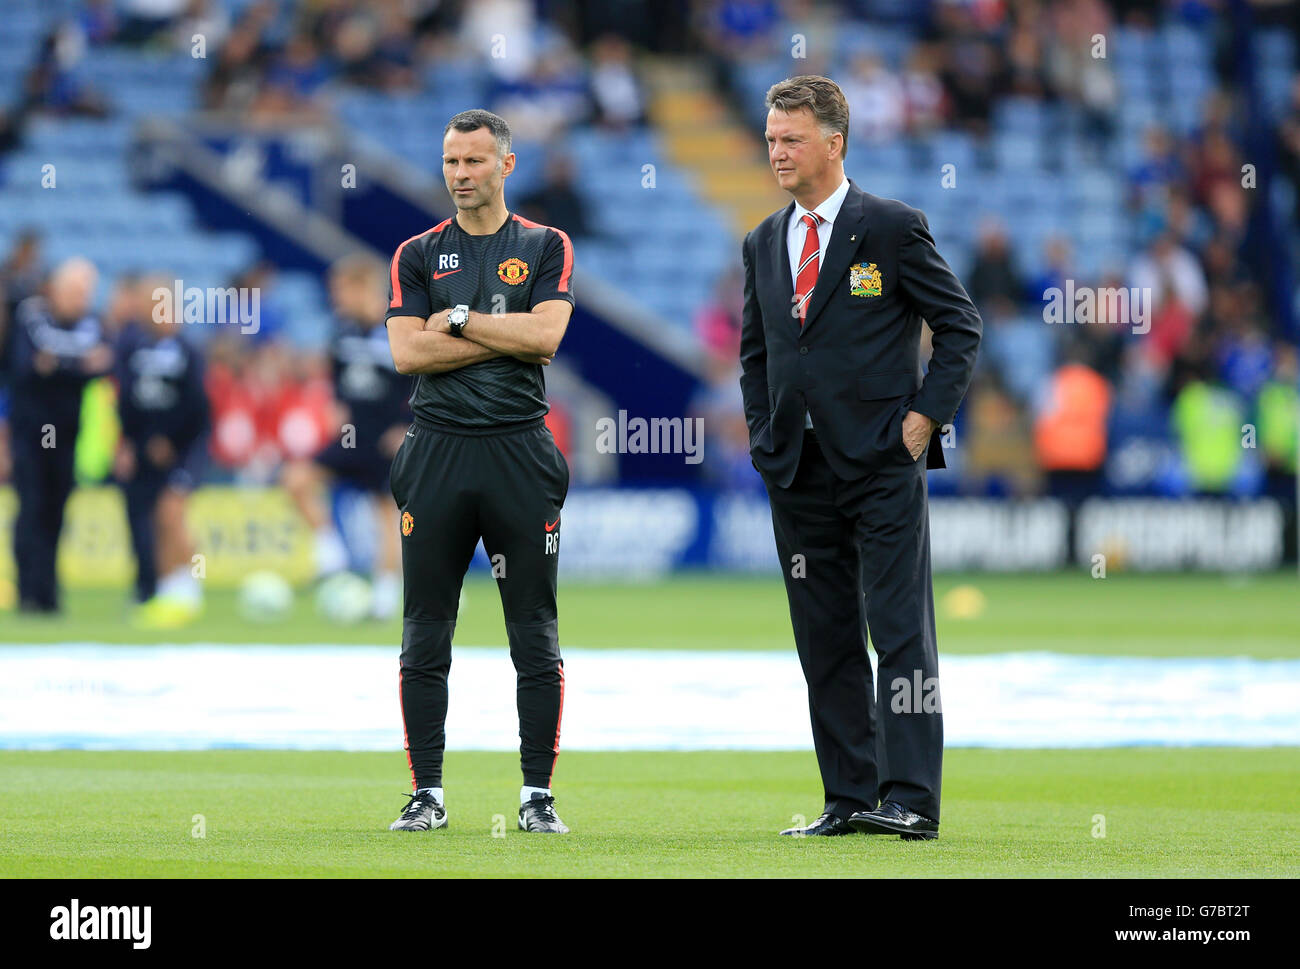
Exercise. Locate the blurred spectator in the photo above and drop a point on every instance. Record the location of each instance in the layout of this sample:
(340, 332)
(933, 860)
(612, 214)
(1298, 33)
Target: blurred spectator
(994, 274)
(509, 55)
(233, 84)
(1103, 342)
(369, 418)
(923, 94)
(1189, 226)
(144, 20)
(818, 24)
(1026, 75)
(1159, 170)
(971, 76)
(260, 279)
(1277, 422)
(21, 275)
(1070, 430)
(12, 124)
(58, 347)
(268, 405)
(52, 86)
(560, 424)
(1207, 418)
(556, 202)
(1057, 268)
(997, 443)
(1073, 70)
(1222, 267)
(618, 101)
(22, 272)
(208, 19)
(98, 21)
(717, 325)
(1169, 271)
(1173, 327)
(1020, 348)
(738, 30)
(877, 107)
(129, 304)
(1288, 144)
(162, 454)
(374, 51)
(726, 460)
(1215, 164)
(298, 72)
(545, 102)
(1245, 357)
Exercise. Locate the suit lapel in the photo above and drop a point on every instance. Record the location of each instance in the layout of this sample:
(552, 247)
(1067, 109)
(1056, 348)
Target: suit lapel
(781, 257)
(850, 224)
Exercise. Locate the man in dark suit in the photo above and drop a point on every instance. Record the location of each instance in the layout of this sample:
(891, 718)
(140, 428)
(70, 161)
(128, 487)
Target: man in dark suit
(842, 427)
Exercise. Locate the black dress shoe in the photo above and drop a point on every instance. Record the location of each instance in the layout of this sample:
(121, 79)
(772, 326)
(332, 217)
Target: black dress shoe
(892, 818)
(828, 825)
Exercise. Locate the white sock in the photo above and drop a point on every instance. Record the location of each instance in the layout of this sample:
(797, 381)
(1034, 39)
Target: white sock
(436, 792)
(180, 584)
(526, 793)
(331, 553)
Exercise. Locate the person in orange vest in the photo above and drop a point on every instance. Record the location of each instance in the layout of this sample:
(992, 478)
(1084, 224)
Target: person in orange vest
(1070, 431)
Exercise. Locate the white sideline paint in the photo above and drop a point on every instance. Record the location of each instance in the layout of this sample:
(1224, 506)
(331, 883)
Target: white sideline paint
(345, 698)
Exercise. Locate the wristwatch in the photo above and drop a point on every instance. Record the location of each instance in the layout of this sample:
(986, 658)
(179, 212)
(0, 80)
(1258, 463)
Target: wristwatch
(458, 318)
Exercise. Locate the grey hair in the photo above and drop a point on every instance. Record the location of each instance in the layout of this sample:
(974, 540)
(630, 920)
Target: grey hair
(821, 96)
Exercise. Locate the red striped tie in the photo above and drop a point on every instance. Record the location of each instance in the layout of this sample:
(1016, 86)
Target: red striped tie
(806, 277)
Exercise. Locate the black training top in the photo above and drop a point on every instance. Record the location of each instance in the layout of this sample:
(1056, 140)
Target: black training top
(510, 271)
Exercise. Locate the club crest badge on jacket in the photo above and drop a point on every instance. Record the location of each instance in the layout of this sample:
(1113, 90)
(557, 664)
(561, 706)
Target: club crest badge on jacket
(864, 279)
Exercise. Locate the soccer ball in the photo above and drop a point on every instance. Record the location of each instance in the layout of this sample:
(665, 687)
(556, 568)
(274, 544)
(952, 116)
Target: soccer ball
(344, 598)
(265, 597)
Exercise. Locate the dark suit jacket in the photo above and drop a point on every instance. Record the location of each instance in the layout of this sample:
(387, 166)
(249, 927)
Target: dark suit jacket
(855, 363)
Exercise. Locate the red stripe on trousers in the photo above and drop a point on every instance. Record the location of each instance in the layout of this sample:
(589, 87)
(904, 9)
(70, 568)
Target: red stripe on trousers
(406, 741)
(558, 718)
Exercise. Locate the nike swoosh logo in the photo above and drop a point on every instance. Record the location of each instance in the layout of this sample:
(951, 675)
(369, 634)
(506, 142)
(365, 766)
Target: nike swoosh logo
(551, 527)
(438, 275)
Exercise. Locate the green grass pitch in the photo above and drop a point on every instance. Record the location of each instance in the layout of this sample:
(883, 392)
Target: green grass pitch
(1068, 612)
(1006, 813)
(1018, 813)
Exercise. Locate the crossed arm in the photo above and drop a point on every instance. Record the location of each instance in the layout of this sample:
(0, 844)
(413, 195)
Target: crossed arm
(427, 346)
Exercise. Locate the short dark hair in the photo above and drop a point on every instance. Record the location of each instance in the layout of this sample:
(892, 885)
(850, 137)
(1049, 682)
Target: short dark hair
(478, 118)
(818, 94)
(358, 267)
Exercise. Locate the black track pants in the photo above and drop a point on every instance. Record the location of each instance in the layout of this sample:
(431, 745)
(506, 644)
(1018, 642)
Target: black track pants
(507, 487)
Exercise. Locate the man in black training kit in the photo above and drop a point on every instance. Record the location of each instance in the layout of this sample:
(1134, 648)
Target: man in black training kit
(477, 306)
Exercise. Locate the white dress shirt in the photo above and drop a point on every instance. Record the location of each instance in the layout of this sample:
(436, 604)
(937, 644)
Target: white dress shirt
(797, 232)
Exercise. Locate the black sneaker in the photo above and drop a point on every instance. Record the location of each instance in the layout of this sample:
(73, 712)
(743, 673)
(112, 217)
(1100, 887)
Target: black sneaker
(422, 813)
(539, 815)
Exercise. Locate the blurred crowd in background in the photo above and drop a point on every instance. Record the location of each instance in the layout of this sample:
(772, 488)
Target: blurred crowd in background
(1203, 402)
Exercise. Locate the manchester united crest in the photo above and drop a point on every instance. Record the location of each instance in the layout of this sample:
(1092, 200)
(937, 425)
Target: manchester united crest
(512, 271)
(408, 523)
(864, 279)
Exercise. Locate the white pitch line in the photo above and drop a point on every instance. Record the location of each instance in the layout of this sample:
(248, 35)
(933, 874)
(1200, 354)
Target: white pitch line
(345, 698)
